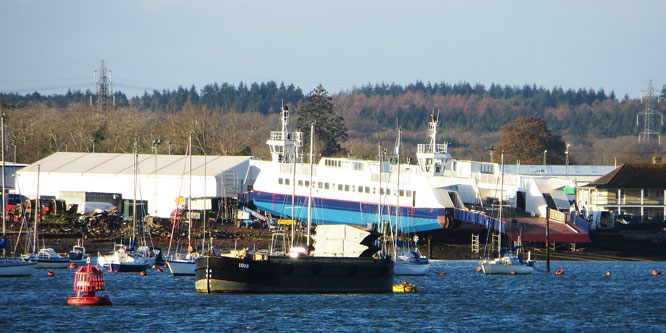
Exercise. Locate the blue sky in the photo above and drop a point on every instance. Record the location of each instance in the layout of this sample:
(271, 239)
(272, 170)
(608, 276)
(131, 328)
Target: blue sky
(50, 46)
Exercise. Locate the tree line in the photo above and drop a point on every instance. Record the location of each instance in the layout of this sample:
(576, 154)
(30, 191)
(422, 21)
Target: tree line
(231, 119)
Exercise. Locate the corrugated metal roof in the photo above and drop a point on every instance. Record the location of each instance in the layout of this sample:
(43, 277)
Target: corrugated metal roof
(112, 163)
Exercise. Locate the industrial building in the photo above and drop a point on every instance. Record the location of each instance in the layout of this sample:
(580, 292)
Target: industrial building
(161, 180)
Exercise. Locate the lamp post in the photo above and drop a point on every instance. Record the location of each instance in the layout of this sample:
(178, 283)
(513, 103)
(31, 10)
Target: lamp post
(169, 144)
(567, 160)
(155, 143)
(544, 158)
(93, 145)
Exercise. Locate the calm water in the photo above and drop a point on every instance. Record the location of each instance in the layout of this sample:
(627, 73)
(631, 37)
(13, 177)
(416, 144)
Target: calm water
(584, 298)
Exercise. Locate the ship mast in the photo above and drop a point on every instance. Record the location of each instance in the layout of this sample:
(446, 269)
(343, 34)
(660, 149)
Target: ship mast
(397, 195)
(310, 187)
(4, 196)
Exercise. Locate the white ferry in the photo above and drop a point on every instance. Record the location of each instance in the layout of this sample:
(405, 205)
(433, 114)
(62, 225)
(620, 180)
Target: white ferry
(354, 191)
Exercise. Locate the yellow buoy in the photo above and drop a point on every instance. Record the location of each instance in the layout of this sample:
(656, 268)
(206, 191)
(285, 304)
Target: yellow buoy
(405, 287)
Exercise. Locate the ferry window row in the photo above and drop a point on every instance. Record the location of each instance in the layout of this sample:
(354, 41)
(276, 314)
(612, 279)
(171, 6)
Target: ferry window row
(346, 187)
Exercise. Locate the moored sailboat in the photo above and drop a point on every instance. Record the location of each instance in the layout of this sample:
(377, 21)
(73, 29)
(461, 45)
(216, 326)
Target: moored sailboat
(508, 260)
(408, 261)
(45, 257)
(124, 259)
(9, 266)
(179, 263)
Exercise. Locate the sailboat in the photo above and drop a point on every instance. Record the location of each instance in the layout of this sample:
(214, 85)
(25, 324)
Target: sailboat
(9, 266)
(408, 260)
(184, 264)
(124, 259)
(508, 261)
(295, 270)
(45, 257)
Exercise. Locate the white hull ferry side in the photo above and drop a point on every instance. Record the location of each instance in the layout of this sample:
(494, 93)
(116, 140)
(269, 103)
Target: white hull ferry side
(347, 191)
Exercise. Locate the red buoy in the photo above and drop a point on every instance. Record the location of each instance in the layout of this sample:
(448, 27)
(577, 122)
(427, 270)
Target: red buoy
(478, 268)
(159, 270)
(49, 273)
(656, 272)
(143, 273)
(442, 273)
(513, 272)
(72, 265)
(559, 272)
(88, 279)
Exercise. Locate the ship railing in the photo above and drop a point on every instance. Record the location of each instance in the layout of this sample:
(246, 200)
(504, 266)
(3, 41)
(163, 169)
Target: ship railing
(286, 136)
(428, 148)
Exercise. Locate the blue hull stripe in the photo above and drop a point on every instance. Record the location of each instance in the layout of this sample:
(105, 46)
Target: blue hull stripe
(329, 211)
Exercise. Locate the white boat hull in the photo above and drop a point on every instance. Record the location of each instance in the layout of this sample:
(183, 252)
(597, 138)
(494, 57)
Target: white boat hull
(490, 268)
(53, 264)
(47, 258)
(16, 267)
(402, 268)
(510, 263)
(181, 267)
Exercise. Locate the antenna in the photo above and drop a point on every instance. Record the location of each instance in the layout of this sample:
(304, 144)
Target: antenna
(649, 116)
(105, 98)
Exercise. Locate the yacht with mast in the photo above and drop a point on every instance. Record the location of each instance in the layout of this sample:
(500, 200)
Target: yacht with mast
(508, 261)
(124, 259)
(179, 263)
(9, 266)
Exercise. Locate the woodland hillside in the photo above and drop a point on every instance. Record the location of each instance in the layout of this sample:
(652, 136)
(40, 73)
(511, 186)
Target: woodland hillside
(227, 119)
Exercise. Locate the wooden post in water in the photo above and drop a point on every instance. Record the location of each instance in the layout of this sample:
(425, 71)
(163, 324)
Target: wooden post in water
(547, 239)
(429, 248)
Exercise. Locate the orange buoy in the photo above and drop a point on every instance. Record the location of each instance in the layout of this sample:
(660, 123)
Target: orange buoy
(72, 265)
(559, 272)
(478, 268)
(159, 270)
(49, 273)
(656, 272)
(88, 279)
(513, 272)
(442, 273)
(143, 273)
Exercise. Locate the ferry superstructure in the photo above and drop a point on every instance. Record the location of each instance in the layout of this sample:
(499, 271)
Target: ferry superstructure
(352, 191)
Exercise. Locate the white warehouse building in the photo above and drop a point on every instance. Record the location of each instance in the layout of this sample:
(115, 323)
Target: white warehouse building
(161, 179)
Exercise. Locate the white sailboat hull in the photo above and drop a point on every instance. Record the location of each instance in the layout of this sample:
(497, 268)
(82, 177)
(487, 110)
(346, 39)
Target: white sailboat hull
(408, 268)
(181, 267)
(508, 264)
(491, 268)
(16, 267)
